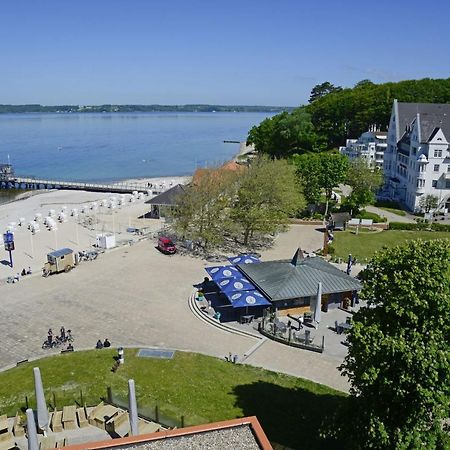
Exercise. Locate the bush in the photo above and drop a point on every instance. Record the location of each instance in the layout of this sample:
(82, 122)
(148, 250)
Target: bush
(420, 225)
(408, 226)
(440, 227)
(331, 250)
(368, 215)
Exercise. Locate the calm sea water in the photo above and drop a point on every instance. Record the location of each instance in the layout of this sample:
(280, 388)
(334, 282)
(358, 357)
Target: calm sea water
(110, 147)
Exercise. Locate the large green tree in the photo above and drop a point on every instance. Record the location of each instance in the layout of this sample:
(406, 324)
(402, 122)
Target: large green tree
(202, 210)
(267, 195)
(285, 134)
(428, 202)
(364, 181)
(320, 172)
(309, 171)
(320, 90)
(398, 360)
(333, 171)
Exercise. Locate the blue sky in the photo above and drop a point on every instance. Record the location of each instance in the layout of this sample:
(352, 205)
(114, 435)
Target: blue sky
(227, 52)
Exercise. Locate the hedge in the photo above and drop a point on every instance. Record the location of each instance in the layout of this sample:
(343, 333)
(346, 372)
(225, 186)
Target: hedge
(369, 215)
(419, 226)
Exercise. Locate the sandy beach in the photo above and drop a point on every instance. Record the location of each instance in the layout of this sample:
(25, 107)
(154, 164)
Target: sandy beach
(78, 232)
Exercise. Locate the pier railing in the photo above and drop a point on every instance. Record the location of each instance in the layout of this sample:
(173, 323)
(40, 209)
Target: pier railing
(75, 185)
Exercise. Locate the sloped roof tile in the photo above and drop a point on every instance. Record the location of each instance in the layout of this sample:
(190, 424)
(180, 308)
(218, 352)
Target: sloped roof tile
(280, 280)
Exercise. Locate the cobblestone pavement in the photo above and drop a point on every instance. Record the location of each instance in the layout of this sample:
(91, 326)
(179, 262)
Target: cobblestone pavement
(137, 296)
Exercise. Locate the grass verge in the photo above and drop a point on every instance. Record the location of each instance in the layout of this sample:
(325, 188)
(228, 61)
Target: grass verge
(399, 212)
(203, 389)
(364, 245)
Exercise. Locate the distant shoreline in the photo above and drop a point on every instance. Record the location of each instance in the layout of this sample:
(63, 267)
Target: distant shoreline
(86, 109)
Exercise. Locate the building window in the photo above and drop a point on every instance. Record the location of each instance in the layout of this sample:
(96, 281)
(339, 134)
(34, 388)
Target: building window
(448, 168)
(436, 168)
(434, 183)
(438, 153)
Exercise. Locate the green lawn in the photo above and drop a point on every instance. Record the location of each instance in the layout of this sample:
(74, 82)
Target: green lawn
(202, 389)
(364, 245)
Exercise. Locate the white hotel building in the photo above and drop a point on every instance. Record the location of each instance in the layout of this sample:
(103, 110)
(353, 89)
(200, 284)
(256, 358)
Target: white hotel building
(370, 146)
(417, 157)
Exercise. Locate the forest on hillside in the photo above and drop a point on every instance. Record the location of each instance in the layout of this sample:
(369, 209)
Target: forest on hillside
(335, 114)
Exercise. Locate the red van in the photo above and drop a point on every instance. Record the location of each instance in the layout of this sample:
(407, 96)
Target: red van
(165, 245)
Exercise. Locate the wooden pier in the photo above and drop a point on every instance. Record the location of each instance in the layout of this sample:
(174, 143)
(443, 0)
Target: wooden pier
(13, 182)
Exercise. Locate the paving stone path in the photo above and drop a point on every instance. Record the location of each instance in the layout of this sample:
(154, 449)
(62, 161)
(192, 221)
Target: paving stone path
(136, 296)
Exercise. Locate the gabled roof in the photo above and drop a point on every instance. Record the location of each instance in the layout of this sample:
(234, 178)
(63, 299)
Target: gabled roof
(431, 123)
(281, 280)
(224, 170)
(169, 197)
(431, 115)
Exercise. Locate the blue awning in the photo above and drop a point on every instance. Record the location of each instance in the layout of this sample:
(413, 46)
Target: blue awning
(228, 285)
(247, 298)
(219, 272)
(243, 259)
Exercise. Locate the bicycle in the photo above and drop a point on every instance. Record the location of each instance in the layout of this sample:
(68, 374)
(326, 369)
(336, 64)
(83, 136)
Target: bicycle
(47, 344)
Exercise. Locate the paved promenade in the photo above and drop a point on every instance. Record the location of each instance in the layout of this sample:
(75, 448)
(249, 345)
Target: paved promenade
(137, 296)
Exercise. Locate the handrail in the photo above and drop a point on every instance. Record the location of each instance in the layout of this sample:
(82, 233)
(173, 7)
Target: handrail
(114, 187)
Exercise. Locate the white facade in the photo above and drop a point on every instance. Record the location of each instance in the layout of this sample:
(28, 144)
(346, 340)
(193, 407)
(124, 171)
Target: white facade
(417, 158)
(370, 146)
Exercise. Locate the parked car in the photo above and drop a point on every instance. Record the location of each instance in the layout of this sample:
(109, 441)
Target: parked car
(165, 245)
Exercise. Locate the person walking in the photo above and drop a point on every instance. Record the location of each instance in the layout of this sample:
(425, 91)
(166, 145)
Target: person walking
(62, 332)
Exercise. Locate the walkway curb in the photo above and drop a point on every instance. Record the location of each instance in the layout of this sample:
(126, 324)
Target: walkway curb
(193, 306)
(254, 348)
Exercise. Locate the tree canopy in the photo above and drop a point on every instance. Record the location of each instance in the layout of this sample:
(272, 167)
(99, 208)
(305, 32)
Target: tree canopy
(243, 205)
(428, 202)
(398, 361)
(285, 134)
(323, 171)
(320, 90)
(201, 211)
(267, 195)
(364, 182)
(336, 114)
